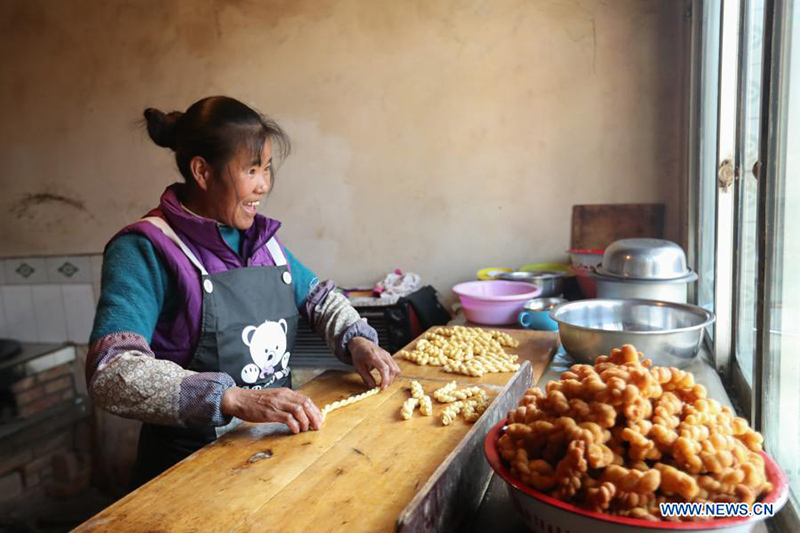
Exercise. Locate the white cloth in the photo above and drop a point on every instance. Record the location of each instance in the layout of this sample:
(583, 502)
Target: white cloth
(397, 284)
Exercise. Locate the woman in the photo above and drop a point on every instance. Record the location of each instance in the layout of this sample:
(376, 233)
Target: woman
(200, 299)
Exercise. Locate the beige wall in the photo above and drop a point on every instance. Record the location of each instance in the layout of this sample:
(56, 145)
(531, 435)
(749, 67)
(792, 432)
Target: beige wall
(438, 136)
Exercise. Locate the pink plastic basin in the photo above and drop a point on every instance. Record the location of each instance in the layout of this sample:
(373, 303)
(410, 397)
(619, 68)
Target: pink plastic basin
(494, 302)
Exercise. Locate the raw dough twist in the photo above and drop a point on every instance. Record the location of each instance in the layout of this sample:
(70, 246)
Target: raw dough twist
(348, 401)
(443, 393)
(407, 410)
(469, 351)
(426, 406)
(450, 412)
(416, 390)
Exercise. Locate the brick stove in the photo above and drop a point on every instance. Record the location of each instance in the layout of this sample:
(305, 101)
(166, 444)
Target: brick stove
(45, 431)
(44, 390)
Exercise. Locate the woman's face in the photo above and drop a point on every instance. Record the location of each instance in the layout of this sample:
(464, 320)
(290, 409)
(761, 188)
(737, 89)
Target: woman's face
(233, 196)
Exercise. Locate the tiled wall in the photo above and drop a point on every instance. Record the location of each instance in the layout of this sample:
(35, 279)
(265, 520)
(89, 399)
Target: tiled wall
(49, 299)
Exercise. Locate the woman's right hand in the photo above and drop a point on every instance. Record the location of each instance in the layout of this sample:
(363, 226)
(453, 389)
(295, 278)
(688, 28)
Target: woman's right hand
(272, 405)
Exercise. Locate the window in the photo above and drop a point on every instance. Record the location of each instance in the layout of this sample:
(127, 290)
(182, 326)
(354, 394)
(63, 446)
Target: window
(777, 377)
(745, 231)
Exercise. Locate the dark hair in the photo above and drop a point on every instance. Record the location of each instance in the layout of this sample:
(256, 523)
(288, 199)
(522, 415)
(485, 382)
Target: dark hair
(215, 128)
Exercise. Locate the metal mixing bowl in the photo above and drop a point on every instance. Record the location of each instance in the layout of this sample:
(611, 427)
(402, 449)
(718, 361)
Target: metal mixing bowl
(668, 333)
(650, 259)
(551, 281)
(543, 304)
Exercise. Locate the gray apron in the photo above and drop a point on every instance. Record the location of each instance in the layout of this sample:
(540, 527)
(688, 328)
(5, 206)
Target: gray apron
(249, 325)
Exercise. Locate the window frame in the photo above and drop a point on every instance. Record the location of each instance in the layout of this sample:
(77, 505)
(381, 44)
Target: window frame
(728, 123)
(703, 123)
(773, 136)
(735, 377)
(727, 203)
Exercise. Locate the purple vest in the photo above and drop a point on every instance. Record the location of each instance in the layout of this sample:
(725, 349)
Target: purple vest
(176, 339)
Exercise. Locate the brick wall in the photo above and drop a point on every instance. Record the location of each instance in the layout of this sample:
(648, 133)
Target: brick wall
(52, 452)
(27, 463)
(44, 390)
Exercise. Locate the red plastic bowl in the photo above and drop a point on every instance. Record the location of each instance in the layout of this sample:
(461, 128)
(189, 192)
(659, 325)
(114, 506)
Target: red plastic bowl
(583, 259)
(583, 264)
(586, 282)
(545, 513)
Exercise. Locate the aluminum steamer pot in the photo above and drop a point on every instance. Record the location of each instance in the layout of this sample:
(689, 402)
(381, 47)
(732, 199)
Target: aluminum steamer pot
(673, 290)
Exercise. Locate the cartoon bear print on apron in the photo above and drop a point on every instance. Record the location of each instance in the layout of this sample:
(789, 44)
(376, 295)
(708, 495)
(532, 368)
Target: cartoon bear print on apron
(267, 344)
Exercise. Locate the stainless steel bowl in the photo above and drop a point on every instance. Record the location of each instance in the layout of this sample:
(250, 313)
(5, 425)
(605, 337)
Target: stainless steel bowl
(550, 281)
(650, 259)
(668, 333)
(543, 304)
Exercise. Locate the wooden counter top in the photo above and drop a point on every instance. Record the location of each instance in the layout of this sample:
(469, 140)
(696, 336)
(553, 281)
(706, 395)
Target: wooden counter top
(358, 473)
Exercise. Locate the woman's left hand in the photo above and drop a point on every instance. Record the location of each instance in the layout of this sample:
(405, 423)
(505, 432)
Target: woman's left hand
(366, 356)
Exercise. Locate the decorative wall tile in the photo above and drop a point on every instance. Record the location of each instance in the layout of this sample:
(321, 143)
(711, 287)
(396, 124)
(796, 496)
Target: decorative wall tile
(25, 270)
(80, 307)
(20, 316)
(69, 269)
(48, 306)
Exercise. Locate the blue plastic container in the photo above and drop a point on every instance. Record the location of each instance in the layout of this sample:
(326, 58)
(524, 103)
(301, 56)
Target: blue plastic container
(536, 314)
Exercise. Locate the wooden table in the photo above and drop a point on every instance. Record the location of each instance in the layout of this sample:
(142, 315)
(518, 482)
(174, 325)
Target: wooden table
(358, 473)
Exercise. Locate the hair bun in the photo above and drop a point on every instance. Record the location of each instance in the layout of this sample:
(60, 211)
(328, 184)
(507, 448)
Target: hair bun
(162, 127)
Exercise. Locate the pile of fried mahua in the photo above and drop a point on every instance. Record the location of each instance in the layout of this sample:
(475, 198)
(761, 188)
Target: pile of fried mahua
(622, 436)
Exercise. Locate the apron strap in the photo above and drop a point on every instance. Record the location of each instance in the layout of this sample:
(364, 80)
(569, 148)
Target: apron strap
(165, 228)
(276, 252)
(272, 245)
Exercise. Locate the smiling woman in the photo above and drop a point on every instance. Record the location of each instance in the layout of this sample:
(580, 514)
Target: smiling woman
(223, 150)
(200, 300)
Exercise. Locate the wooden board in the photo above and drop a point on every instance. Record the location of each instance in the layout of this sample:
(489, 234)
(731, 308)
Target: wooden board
(357, 474)
(455, 490)
(364, 481)
(537, 347)
(594, 227)
(220, 485)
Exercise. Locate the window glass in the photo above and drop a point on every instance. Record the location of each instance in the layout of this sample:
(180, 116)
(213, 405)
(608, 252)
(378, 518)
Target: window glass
(782, 365)
(747, 215)
(708, 155)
